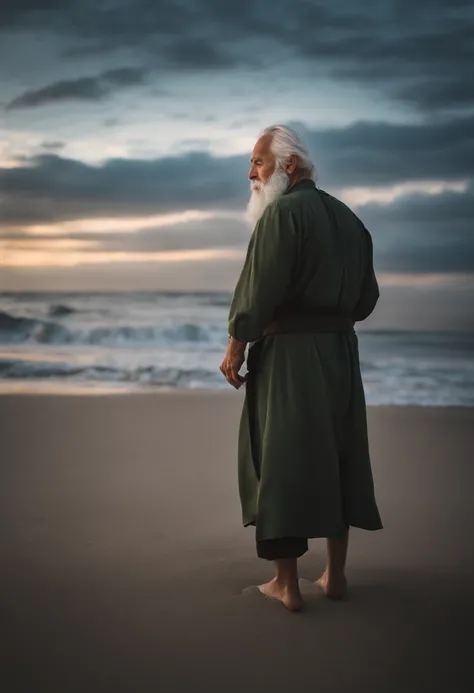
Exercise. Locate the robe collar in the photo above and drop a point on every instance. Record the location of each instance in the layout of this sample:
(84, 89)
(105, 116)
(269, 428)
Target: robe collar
(305, 184)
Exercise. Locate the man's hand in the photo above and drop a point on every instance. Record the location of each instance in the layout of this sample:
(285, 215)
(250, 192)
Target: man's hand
(232, 363)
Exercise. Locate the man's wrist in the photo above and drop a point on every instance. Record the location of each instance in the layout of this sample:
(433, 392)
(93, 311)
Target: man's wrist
(236, 342)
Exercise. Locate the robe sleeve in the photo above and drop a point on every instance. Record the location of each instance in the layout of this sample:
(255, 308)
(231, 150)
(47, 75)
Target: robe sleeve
(370, 292)
(266, 274)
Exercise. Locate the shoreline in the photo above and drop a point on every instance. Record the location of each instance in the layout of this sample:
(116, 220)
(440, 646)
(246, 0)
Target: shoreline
(13, 389)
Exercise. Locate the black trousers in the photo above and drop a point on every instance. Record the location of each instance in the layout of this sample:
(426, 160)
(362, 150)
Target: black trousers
(285, 547)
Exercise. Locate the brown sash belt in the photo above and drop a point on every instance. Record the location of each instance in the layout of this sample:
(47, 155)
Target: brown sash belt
(309, 322)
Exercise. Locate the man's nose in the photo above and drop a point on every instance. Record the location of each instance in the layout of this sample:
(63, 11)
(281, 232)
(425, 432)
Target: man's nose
(252, 174)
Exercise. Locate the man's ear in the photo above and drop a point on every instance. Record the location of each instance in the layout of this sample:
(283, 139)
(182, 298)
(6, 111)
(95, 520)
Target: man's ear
(292, 164)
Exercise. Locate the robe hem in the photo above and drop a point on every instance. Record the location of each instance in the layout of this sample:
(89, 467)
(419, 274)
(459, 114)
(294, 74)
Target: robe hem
(315, 535)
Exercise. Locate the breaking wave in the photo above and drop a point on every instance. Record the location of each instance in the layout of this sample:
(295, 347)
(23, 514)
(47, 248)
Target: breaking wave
(60, 309)
(20, 330)
(152, 375)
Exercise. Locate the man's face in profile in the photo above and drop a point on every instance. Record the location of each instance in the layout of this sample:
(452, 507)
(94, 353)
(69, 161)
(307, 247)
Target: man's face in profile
(262, 162)
(267, 180)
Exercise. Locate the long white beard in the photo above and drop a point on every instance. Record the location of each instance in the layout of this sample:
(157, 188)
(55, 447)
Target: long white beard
(264, 193)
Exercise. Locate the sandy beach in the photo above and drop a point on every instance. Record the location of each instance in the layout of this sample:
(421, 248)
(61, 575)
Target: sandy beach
(125, 567)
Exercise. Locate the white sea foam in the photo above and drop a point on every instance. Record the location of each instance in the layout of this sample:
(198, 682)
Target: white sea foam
(178, 340)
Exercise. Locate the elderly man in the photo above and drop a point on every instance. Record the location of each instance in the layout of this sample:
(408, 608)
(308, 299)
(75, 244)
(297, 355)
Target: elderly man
(303, 456)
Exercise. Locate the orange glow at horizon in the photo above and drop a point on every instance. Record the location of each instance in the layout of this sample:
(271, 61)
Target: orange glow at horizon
(52, 252)
(53, 245)
(127, 224)
(51, 259)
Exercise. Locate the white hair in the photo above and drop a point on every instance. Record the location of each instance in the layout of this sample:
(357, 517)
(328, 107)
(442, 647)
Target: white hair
(286, 142)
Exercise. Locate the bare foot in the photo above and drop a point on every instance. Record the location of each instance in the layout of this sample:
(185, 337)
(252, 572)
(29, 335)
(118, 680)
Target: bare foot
(336, 589)
(290, 597)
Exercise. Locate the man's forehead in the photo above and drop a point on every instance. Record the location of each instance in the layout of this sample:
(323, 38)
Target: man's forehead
(262, 146)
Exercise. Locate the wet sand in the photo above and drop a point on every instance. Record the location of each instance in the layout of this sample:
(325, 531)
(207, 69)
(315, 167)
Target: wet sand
(125, 567)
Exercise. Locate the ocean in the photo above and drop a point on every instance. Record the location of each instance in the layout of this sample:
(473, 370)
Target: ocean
(144, 340)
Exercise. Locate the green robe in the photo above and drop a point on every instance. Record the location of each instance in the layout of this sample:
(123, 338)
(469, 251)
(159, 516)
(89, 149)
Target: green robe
(303, 456)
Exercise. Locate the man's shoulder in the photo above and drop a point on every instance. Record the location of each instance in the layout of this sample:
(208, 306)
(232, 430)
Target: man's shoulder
(333, 200)
(296, 198)
(293, 201)
(275, 208)
(339, 207)
(285, 203)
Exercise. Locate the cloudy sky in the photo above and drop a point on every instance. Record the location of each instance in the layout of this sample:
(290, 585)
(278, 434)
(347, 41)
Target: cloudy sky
(127, 125)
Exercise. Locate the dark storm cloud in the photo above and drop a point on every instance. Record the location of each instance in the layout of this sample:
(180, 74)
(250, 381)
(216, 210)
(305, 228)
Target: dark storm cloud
(198, 54)
(442, 209)
(53, 146)
(82, 89)
(14, 13)
(423, 233)
(382, 154)
(51, 188)
(456, 258)
(418, 53)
